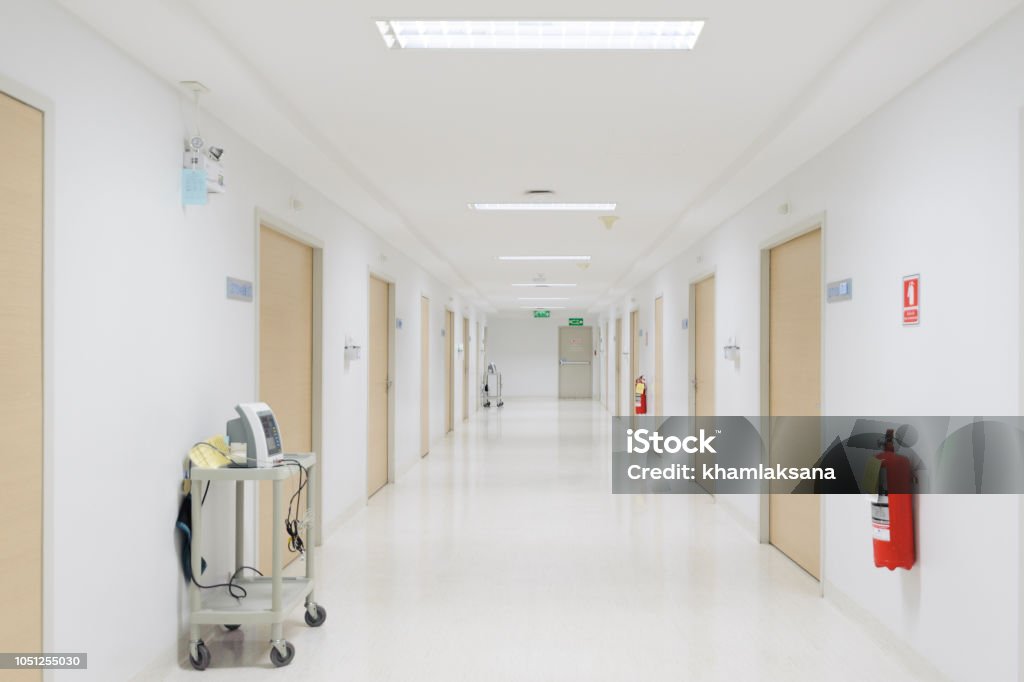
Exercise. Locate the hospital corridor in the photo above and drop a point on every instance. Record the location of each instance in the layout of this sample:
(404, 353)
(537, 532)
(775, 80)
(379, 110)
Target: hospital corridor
(518, 341)
(501, 558)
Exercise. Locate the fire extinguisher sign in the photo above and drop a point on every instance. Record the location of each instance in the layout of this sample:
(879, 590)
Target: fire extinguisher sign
(911, 300)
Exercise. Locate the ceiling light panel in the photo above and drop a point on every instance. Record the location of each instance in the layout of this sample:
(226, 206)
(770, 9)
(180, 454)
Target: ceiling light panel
(545, 258)
(532, 34)
(542, 307)
(543, 206)
(542, 284)
(544, 298)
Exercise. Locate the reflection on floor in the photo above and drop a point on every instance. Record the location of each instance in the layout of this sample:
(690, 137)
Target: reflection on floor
(504, 556)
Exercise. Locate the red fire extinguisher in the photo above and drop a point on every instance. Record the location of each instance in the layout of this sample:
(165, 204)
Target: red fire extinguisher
(640, 402)
(892, 514)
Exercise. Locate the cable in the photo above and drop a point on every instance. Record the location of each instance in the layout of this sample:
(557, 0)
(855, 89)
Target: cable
(294, 526)
(234, 589)
(212, 447)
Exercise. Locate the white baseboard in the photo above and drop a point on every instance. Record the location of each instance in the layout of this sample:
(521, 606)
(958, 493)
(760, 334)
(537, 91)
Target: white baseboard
(747, 524)
(407, 465)
(881, 634)
(340, 519)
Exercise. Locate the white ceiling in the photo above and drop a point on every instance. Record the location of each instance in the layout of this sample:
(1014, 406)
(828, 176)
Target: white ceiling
(404, 139)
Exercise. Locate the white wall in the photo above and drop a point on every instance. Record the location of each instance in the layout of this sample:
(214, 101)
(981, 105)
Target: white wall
(929, 184)
(149, 356)
(526, 352)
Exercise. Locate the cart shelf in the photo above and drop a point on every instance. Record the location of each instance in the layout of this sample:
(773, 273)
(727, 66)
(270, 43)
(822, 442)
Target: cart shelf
(219, 607)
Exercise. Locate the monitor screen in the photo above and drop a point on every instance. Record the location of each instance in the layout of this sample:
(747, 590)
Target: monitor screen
(271, 433)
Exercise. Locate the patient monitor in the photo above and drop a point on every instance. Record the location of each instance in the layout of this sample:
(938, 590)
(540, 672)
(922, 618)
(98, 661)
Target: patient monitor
(257, 428)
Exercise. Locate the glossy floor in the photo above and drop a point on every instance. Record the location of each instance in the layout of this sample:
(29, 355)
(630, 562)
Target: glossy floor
(504, 556)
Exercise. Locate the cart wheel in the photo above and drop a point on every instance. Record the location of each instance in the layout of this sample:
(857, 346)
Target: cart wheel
(280, 661)
(203, 662)
(233, 627)
(321, 616)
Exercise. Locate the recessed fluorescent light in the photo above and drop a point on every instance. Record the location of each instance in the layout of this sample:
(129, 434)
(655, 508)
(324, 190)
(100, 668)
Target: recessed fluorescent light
(544, 206)
(552, 298)
(542, 284)
(542, 307)
(545, 258)
(534, 34)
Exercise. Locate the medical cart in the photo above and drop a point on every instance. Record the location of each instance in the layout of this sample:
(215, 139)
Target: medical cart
(491, 389)
(270, 598)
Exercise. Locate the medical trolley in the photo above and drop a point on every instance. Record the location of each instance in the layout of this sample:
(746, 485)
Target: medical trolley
(269, 598)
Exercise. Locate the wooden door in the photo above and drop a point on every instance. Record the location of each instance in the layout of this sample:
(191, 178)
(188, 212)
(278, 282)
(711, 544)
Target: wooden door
(480, 365)
(424, 376)
(21, 376)
(634, 357)
(449, 371)
(618, 367)
(659, 356)
(286, 359)
(606, 348)
(378, 386)
(795, 390)
(704, 368)
(465, 368)
(704, 347)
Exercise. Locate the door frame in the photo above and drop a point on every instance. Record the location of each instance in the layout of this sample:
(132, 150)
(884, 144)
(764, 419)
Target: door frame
(817, 221)
(634, 358)
(1020, 500)
(467, 343)
(425, 373)
(603, 346)
(478, 351)
(691, 335)
(262, 217)
(42, 103)
(392, 285)
(616, 366)
(659, 352)
(449, 378)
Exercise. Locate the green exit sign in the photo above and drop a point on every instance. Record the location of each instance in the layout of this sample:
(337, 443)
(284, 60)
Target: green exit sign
(575, 321)
(542, 313)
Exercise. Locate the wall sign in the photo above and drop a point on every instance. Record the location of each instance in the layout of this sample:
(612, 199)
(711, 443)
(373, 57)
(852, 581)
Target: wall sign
(541, 313)
(840, 291)
(239, 289)
(575, 321)
(193, 187)
(911, 300)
